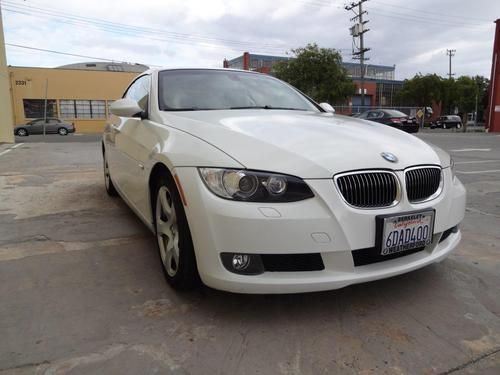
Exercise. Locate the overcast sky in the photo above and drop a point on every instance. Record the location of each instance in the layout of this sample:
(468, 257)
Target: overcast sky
(413, 35)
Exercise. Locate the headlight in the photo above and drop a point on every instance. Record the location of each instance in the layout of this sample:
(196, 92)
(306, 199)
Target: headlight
(252, 186)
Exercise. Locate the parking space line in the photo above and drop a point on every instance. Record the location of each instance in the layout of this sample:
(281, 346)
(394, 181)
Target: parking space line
(479, 172)
(11, 148)
(477, 162)
(17, 145)
(471, 149)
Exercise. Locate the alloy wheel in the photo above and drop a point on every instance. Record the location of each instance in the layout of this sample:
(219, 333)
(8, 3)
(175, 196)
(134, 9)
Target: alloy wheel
(167, 231)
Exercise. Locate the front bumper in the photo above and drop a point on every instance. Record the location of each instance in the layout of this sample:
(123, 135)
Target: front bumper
(324, 224)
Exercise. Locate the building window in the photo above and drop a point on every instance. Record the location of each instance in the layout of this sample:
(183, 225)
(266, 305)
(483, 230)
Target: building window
(115, 68)
(98, 108)
(82, 109)
(67, 109)
(34, 108)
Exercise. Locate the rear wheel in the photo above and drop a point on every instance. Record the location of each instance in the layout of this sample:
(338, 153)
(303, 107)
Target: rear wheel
(458, 125)
(445, 126)
(22, 132)
(173, 236)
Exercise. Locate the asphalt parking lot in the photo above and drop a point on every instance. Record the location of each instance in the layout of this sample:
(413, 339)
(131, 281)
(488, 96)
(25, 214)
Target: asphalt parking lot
(82, 291)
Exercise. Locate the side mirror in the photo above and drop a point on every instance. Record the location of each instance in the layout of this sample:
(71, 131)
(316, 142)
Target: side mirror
(327, 107)
(126, 108)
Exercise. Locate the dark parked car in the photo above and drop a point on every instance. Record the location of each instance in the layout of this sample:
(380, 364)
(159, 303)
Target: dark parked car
(447, 122)
(52, 126)
(393, 118)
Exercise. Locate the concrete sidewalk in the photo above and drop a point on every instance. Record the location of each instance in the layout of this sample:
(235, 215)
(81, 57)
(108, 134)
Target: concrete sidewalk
(82, 291)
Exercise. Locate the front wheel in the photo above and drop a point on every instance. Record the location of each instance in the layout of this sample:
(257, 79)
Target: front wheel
(444, 126)
(174, 237)
(62, 131)
(22, 132)
(110, 188)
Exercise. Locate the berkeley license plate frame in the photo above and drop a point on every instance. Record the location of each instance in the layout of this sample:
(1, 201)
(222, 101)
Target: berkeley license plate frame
(383, 220)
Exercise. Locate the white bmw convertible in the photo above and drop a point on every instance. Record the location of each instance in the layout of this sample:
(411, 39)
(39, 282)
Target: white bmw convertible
(252, 187)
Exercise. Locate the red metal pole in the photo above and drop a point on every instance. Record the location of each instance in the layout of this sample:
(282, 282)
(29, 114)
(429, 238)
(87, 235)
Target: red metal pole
(493, 121)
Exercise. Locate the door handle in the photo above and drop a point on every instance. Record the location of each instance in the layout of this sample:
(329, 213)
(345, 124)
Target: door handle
(141, 166)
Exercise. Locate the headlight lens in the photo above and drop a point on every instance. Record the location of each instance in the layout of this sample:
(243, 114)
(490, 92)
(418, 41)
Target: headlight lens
(253, 186)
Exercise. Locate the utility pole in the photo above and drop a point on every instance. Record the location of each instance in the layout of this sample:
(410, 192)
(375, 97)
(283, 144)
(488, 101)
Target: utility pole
(450, 53)
(358, 31)
(475, 110)
(6, 115)
(45, 106)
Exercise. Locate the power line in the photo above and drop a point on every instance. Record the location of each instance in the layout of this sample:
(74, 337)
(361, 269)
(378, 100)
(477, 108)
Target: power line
(151, 33)
(70, 54)
(129, 29)
(166, 39)
(430, 12)
(419, 19)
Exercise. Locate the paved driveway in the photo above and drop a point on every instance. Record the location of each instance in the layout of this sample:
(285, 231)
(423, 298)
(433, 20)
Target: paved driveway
(82, 292)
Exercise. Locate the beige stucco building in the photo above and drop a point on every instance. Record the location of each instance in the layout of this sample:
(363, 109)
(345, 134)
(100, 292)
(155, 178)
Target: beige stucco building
(77, 93)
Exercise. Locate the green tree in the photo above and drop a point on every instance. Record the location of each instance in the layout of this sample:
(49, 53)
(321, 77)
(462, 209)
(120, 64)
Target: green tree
(466, 89)
(482, 97)
(463, 92)
(317, 72)
(421, 90)
(460, 93)
(449, 96)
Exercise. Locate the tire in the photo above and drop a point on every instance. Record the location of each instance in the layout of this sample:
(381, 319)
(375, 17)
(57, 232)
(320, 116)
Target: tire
(22, 132)
(108, 183)
(62, 131)
(173, 237)
(458, 125)
(445, 126)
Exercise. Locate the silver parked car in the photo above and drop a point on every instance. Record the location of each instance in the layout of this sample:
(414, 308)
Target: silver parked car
(52, 126)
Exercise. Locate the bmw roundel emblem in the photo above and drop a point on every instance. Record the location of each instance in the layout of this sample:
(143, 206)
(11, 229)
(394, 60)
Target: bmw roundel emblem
(389, 157)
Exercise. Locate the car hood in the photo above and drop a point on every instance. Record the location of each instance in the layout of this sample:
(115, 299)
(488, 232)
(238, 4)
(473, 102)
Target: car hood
(304, 144)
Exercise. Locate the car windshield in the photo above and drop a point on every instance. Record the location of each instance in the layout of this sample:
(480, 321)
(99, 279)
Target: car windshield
(394, 113)
(191, 90)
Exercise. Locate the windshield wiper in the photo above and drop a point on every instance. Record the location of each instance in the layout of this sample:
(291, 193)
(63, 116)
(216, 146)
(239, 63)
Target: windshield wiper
(268, 107)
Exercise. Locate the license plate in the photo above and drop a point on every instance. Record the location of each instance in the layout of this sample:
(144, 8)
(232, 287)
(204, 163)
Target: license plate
(406, 232)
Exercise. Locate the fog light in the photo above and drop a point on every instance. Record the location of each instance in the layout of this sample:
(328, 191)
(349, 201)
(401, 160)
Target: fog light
(243, 264)
(240, 261)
